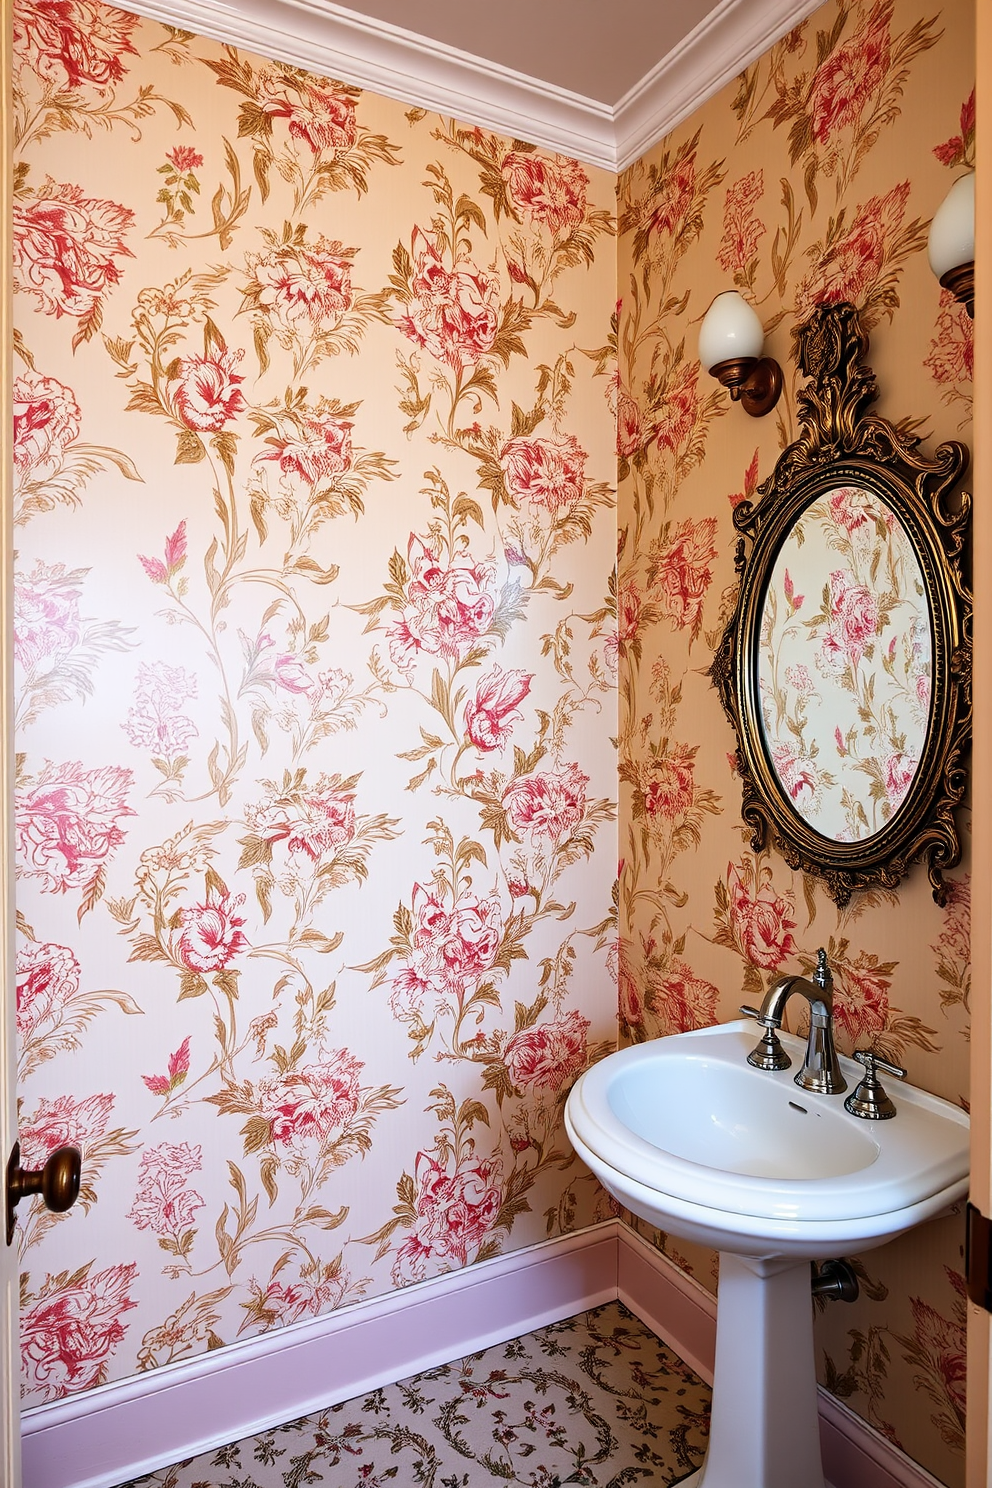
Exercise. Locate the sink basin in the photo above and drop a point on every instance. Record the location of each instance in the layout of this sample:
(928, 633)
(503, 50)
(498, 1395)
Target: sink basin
(691, 1137)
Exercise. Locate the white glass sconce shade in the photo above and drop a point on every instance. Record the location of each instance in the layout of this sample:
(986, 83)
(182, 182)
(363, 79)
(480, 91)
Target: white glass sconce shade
(730, 331)
(952, 232)
(730, 341)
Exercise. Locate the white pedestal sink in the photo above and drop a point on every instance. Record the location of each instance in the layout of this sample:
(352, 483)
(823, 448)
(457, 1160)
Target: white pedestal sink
(686, 1134)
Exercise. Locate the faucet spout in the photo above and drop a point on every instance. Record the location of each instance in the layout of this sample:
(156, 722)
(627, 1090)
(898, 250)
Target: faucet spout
(821, 1069)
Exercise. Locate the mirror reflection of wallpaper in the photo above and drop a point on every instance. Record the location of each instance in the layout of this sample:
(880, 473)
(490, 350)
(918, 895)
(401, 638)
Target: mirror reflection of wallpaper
(812, 177)
(845, 664)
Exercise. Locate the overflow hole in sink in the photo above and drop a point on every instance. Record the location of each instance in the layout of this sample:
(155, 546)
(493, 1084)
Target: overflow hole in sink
(799, 1108)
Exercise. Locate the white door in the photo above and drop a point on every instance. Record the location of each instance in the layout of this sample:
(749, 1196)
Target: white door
(10, 1426)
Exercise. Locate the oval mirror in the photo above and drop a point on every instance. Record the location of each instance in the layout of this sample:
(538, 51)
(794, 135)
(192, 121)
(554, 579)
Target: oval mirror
(846, 666)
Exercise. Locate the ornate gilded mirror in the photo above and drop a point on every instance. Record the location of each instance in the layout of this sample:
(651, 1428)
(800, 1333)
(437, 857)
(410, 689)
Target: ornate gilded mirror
(846, 666)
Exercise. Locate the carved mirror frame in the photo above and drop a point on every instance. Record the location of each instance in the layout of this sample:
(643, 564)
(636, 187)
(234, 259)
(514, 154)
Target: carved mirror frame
(842, 444)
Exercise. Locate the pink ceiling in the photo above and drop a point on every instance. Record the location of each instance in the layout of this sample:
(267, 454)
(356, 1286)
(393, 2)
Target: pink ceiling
(597, 48)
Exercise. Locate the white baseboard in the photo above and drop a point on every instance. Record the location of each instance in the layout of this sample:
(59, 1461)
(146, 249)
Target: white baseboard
(119, 1431)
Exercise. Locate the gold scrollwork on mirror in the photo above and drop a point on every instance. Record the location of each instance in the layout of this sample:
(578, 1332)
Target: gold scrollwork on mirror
(846, 666)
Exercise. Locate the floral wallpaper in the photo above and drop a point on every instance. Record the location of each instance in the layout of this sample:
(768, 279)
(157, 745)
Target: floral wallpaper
(316, 657)
(319, 411)
(812, 178)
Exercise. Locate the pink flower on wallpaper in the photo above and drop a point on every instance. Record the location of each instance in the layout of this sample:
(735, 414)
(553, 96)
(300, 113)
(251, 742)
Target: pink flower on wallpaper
(312, 1104)
(958, 150)
(682, 1001)
(287, 1302)
(156, 721)
(550, 191)
(672, 199)
(47, 979)
(545, 472)
(750, 484)
(67, 248)
(954, 941)
(549, 1056)
(164, 1202)
(799, 775)
(854, 621)
(183, 159)
(82, 39)
(46, 620)
(456, 1204)
(453, 313)
(46, 421)
(899, 771)
(861, 1000)
(175, 557)
(630, 1000)
(291, 675)
(548, 803)
(452, 950)
(321, 119)
(305, 288)
(320, 451)
(760, 919)
(69, 1332)
(850, 266)
(63, 1122)
(670, 789)
(491, 714)
(630, 429)
(679, 411)
(449, 610)
(210, 935)
(742, 230)
(848, 79)
(628, 617)
(939, 1348)
(852, 509)
(314, 825)
(952, 351)
(680, 572)
(178, 1070)
(67, 824)
(205, 393)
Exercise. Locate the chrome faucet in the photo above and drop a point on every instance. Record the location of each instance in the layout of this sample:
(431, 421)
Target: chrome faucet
(821, 1069)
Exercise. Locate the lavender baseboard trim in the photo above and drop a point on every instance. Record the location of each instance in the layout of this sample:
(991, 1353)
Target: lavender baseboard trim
(138, 1425)
(119, 1431)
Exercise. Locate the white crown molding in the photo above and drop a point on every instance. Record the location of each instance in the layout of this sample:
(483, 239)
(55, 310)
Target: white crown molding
(336, 42)
(121, 1431)
(729, 39)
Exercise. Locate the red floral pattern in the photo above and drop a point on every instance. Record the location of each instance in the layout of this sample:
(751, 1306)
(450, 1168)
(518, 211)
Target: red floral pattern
(456, 1205)
(844, 84)
(164, 1202)
(549, 803)
(70, 1331)
(206, 392)
(550, 1056)
(760, 918)
(453, 312)
(314, 1103)
(210, 934)
(545, 472)
(82, 39)
(67, 248)
(550, 191)
(68, 824)
(491, 714)
(742, 230)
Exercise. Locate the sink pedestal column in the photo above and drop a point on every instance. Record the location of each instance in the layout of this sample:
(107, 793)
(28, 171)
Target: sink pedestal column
(764, 1430)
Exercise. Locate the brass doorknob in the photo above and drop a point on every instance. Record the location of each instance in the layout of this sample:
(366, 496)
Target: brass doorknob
(57, 1182)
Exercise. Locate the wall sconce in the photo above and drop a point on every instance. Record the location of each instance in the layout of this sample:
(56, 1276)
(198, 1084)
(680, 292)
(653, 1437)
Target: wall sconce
(731, 339)
(952, 242)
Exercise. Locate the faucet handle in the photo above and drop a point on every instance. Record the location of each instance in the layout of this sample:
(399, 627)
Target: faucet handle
(768, 1053)
(869, 1100)
(871, 1062)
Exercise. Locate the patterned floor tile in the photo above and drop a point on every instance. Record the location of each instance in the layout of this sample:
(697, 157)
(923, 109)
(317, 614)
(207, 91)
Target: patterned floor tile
(595, 1401)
